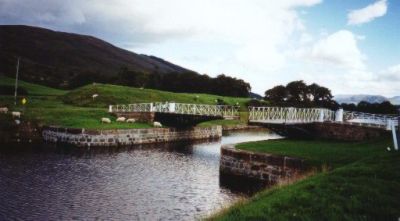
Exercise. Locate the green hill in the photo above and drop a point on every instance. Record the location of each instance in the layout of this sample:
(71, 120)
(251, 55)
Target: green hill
(32, 89)
(78, 109)
(114, 94)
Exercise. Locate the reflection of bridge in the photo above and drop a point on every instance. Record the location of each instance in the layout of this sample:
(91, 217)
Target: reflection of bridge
(293, 116)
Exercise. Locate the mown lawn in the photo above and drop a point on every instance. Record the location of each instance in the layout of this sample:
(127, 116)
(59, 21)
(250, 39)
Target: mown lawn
(363, 184)
(320, 152)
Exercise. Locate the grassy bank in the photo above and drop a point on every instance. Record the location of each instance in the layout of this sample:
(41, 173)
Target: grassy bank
(362, 184)
(78, 109)
(242, 121)
(114, 94)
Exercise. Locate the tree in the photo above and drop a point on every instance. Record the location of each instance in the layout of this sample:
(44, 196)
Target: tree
(277, 94)
(297, 93)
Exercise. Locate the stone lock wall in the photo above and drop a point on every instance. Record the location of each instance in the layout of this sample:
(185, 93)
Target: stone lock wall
(347, 132)
(264, 167)
(126, 137)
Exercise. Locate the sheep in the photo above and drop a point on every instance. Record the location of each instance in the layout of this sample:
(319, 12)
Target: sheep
(130, 120)
(121, 119)
(94, 96)
(157, 124)
(105, 120)
(3, 110)
(16, 114)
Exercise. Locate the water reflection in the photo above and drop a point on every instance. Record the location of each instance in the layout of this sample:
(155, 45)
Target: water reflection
(170, 182)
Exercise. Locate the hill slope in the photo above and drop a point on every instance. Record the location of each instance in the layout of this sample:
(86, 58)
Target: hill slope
(355, 99)
(54, 58)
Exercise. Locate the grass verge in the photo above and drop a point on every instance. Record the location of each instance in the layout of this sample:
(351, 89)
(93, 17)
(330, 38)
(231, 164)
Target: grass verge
(363, 184)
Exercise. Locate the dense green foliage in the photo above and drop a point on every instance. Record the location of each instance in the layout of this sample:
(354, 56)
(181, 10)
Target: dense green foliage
(189, 82)
(299, 94)
(362, 186)
(375, 108)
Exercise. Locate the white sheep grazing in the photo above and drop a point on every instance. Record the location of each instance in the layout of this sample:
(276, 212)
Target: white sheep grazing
(16, 114)
(105, 120)
(121, 119)
(130, 120)
(157, 124)
(3, 110)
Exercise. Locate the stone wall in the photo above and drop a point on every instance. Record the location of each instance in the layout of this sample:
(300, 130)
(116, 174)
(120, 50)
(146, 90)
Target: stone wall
(264, 167)
(126, 137)
(347, 132)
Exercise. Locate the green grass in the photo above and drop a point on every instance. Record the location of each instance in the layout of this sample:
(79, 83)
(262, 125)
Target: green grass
(363, 184)
(113, 94)
(33, 89)
(243, 120)
(77, 108)
(50, 110)
(319, 152)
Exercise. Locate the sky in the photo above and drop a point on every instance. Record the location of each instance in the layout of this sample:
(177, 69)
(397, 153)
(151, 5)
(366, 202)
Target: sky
(351, 47)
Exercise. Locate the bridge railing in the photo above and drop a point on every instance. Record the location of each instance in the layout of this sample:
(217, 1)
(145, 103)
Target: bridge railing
(179, 108)
(379, 120)
(289, 115)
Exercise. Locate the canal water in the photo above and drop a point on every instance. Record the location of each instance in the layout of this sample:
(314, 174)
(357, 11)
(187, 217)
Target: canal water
(157, 182)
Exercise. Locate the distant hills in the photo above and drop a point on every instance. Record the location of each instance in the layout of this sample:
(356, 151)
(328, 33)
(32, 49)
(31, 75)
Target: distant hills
(54, 58)
(356, 98)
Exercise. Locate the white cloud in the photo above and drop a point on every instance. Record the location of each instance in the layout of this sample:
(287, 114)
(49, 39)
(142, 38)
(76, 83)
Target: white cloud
(391, 74)
(367, 13)
(339, 49)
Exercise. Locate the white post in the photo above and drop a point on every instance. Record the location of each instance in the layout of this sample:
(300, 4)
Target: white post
(321, 115)
(172, 107)
(151, 107)
(396, 147)
(109, 108)
(339, 115)
(389, 124)
(16, 83)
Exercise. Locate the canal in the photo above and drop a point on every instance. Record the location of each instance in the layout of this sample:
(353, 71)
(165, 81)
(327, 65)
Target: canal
(157, 182)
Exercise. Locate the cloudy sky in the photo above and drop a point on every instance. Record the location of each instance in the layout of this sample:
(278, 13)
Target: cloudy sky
(348, 46)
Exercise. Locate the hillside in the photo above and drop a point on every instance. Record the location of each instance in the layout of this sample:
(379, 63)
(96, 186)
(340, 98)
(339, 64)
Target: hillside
(55, 58)
(114, 94)
(355, 99)
(78, 109)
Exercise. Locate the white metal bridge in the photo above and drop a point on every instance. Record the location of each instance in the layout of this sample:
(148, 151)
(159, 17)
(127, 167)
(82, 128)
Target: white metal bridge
(291, 115)
(224, 111)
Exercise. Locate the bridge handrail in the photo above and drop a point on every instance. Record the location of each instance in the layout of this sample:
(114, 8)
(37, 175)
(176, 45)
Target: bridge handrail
(178, 108)
(368, 118)
(290, 114)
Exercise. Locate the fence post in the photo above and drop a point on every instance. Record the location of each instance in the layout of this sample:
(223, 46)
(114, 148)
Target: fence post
(339, 115)
(395, 141)
(321, 115)
(109, 108)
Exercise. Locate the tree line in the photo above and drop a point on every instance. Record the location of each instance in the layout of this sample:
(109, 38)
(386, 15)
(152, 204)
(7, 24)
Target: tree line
(299, 94)
(190, 82)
